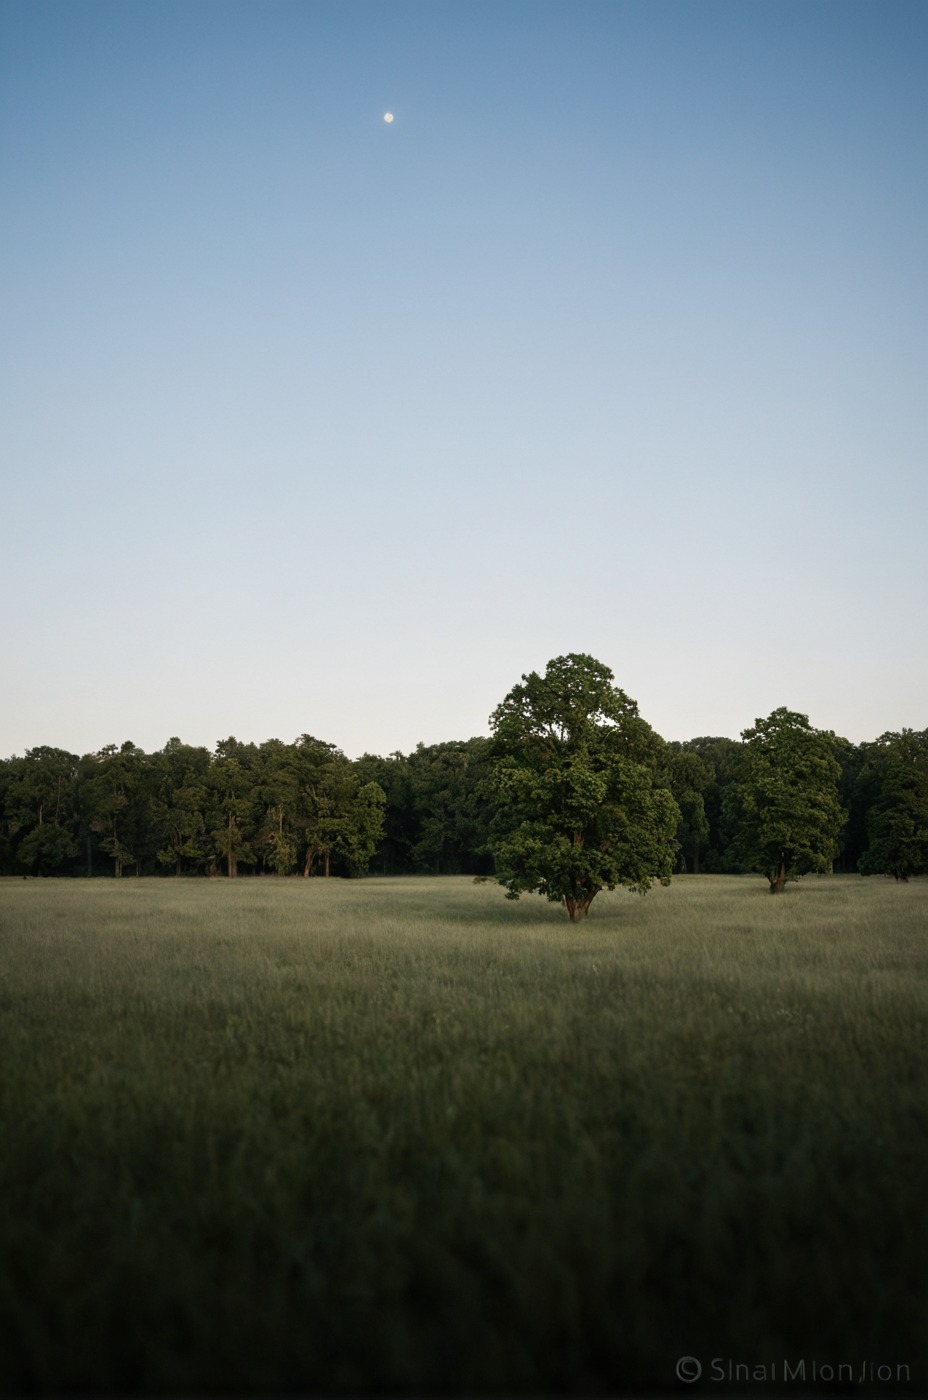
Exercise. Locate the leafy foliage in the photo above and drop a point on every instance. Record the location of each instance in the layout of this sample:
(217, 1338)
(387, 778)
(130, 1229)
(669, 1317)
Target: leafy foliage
(690, 776)
(41, 810)
(437, 813)
(577, 804)
(570, 755)
(896, 772)
(179, 806)
(115, 795)
(788, 807)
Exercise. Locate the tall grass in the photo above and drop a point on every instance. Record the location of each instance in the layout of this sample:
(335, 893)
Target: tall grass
(404, 1135)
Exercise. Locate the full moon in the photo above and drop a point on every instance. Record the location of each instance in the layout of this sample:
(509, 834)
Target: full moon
(388, 116)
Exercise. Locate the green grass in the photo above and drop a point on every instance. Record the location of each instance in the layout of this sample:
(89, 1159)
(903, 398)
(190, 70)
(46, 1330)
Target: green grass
(404, 1135)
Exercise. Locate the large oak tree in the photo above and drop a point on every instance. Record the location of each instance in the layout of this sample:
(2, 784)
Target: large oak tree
(575, 782)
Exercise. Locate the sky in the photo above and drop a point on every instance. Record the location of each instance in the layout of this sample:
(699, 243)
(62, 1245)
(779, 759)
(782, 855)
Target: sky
(613, 341)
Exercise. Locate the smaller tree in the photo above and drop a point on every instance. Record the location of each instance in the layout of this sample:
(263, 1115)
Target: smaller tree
(42, 808)
(788, 806)
(277, 795)
(232, 799)
(361, 827)
(116, 802)
(393, 775)
(180, 806)
(896, 773)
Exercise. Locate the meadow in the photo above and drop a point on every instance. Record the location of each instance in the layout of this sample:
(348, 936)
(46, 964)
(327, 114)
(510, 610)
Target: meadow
(404, 1135)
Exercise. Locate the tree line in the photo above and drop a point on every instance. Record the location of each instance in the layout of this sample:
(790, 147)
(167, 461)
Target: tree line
(572, 792)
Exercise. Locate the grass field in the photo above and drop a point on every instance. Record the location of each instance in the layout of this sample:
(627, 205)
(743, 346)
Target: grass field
(404, 1135)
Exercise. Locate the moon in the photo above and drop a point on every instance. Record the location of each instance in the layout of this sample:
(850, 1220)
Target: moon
(388, 116)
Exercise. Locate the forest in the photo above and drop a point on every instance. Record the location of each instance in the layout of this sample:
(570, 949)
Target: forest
(303, 808)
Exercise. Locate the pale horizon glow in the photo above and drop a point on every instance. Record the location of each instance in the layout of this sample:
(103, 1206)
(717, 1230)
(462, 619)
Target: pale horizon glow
(618, 346)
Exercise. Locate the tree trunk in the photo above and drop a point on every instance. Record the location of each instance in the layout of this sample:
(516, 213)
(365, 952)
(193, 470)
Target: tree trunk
(578, 908)
(777, 878)
(327, 864)
(230, 858)
(308, 863)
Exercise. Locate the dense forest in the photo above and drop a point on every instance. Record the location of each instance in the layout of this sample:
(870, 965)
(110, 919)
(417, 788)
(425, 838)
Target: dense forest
(304, 808)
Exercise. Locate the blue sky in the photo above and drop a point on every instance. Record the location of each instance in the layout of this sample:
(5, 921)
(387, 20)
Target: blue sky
(613, 341)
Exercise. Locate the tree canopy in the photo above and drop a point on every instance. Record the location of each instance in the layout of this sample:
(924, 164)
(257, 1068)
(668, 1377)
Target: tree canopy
(577, 803)
(790, 814)
(565, 745)
(895, 772)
